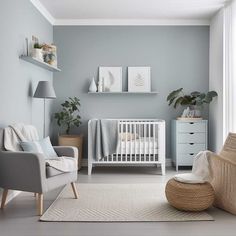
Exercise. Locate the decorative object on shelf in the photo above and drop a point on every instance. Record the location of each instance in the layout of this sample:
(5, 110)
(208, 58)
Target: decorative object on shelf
(44, 90)
(50, 54)
(37, 51)
(93, 86)
(100, 85)
(194, 101)
(139, 79)
(112, 78)
(69, 117)
(43, 52)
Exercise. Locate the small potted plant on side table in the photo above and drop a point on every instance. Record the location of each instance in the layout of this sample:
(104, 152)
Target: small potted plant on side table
(67, 118)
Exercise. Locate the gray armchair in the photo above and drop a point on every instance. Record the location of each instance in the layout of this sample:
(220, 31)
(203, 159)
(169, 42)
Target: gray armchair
(27, 171)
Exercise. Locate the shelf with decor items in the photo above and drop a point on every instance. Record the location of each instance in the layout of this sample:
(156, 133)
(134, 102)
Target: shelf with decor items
(187, 139)
(40, 63)
(125, 92)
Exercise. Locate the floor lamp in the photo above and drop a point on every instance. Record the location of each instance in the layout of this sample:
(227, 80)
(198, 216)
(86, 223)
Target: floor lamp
(44, 90)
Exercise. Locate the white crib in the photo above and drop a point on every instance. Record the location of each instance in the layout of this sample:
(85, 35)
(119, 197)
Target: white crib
(141, 141)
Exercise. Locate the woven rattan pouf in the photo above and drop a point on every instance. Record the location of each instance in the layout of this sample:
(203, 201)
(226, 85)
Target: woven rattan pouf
(189, 197)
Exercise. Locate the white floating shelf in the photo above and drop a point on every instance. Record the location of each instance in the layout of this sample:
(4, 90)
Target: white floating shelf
(40, 63)
(125, 92)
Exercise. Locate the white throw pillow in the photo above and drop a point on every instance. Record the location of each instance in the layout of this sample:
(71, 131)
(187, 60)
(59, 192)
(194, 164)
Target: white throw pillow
(43, 146)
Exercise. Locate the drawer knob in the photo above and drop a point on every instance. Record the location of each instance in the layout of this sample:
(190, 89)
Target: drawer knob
(191, 154)
(191, 133)
(191, 143)
(191, 123)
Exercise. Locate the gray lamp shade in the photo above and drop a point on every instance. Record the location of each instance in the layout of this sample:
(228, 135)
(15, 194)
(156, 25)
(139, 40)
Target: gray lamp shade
(44, 90)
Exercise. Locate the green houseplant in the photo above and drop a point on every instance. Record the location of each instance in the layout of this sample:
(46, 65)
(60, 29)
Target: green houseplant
(194, 101)
(67, 118)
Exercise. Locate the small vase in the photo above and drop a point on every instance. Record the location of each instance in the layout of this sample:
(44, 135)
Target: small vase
(37, 53)
(93, 86)
(100, 85)
(196, 110)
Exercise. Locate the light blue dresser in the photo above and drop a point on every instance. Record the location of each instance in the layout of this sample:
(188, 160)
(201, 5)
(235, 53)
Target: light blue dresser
(187, 139)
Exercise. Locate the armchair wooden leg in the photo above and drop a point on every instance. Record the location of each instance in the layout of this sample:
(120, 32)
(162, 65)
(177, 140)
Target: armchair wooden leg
(4, 198)
(40, 203)
(75, 190)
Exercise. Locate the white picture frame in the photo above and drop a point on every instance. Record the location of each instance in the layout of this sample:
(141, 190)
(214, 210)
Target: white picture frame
(111, 78)
(139, 79)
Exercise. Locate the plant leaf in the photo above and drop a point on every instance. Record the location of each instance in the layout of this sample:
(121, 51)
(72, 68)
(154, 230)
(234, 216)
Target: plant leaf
(174, 94)
(178, 102)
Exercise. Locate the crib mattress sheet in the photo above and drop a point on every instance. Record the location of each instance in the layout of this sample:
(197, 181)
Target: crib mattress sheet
(141, 143)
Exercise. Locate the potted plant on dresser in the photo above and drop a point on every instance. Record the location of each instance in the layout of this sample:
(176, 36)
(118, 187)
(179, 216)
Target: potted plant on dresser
(194, 102)
(67, 118)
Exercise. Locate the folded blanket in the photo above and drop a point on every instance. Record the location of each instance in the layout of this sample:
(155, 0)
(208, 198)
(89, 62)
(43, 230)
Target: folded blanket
(14, 134)
(200, 171)
(64, 164)
(103, 138)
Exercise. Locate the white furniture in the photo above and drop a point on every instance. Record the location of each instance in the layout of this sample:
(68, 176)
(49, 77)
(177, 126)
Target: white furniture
(187, 139)
(141, 141)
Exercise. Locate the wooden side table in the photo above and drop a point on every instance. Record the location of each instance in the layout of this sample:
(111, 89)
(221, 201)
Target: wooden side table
(75, 141)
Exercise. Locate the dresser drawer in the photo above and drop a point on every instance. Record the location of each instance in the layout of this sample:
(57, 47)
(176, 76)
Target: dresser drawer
(191, 137)
(185, 159)
(188, 127)
(190, 147)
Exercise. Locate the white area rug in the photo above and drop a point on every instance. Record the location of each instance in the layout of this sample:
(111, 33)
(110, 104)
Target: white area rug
(117, 202)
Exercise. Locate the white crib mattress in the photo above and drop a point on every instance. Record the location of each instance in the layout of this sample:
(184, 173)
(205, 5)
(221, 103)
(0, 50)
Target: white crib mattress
(142, 145)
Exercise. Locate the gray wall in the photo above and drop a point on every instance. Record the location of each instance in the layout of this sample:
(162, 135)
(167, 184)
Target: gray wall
(216, 81)
(178, 56)
(18, 20)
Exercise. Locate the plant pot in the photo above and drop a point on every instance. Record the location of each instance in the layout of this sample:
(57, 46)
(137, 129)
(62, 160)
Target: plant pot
(37, 53)
(192, 112)
(196, 111)
(75, 141)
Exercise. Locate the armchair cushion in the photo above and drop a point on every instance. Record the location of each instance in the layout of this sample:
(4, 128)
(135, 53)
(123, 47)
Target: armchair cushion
(43, 146)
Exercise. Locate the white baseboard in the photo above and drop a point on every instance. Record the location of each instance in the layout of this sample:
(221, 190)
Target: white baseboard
(168, 162)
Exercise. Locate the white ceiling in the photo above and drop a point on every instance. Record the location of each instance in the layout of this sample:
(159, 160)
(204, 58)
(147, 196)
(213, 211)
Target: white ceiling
(81, 10)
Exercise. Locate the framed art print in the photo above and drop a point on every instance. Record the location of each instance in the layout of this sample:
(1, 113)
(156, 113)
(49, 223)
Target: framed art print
(111, 78)
(139, 79)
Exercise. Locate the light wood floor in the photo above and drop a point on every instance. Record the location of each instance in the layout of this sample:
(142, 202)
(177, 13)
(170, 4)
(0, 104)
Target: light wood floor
(19, 217)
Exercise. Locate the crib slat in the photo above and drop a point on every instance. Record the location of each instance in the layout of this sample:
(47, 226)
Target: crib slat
(118, 128)
(131, 139)
(149, 141)
(126, 143)
(135, 152)
(140, 135)
(121, 143)
(145, 134)
(154, 137)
